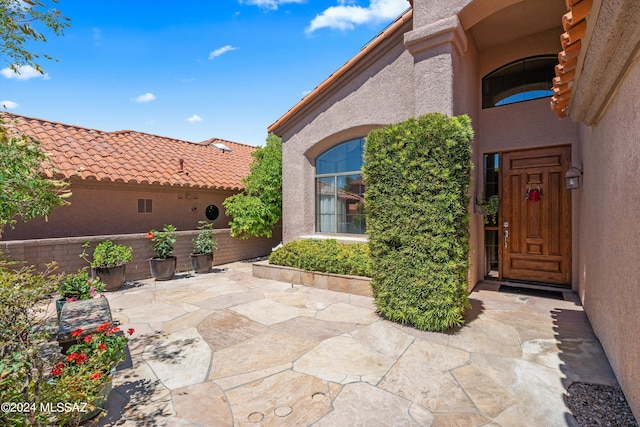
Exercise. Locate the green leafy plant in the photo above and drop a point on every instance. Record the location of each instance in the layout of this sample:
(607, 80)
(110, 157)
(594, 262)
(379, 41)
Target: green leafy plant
(17, 30)
(80, 286)
(108, 254)
(490, 209)
(29, 359)
(89, 364)
(204, 243)
(25, 192)
(259, 208)
(329, 256)
(102, 350)
(418, 174)
(163, 241)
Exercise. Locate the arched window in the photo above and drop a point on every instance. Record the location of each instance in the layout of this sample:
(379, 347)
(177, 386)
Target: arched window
(522, 80)
(340, 190)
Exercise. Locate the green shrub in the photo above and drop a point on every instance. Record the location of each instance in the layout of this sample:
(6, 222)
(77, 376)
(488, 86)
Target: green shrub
(328, 256)
(108, 254)
(204, 243)
(417, 174)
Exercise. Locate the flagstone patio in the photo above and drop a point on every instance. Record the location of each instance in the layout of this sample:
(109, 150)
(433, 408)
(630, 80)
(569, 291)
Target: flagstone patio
(228, 349)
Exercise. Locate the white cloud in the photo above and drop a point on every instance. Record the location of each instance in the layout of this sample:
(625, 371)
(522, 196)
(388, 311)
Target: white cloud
(25, 72)
(346, 16)
(269, 4)
(194, 119)
(9, 105)
(147, 97)
(222, 50)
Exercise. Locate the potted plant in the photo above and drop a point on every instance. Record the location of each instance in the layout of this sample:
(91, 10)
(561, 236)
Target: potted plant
(163, 264)
(89, 366)
(489, 208)
(78, 286)
(109, 263)
(51, 387)
(203, 246)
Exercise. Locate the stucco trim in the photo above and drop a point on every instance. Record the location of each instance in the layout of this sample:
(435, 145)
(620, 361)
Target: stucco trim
(445, 31)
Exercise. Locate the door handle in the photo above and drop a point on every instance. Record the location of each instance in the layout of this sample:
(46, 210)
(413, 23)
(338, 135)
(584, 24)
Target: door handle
(506, 236)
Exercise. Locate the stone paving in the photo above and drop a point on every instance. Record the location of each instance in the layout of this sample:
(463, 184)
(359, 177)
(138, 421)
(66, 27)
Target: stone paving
(228, 349)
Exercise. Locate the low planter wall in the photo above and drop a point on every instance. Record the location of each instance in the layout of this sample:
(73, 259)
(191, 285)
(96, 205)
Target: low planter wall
(334, 282)
(66, 251)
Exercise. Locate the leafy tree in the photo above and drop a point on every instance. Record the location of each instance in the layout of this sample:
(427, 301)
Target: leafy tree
(259, 208)
(18, 20)
(25, 192)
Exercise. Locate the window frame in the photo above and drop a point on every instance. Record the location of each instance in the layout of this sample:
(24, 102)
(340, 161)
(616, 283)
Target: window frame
(527, 81)
(335, 223)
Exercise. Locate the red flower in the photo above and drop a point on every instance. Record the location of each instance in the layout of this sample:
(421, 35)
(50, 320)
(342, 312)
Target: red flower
(72, 357)
(56, 371)
(114, 330)
(76, 333)
(88, 338)
(131, 331)
(102, 347)
(81, 359)
(95, 376)
(150, 235)
(103, 327)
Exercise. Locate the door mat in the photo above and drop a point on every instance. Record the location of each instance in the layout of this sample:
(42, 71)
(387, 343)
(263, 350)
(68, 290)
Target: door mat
(531, 292)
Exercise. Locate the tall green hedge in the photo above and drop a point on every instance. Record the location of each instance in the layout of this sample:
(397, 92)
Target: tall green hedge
(417, 174)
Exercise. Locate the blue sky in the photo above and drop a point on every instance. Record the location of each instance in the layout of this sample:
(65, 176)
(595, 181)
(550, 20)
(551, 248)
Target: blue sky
(193, 69)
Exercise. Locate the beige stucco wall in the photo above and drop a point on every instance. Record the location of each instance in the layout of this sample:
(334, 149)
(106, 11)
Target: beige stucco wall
(373, 94)
(609, 256)
(112, 208)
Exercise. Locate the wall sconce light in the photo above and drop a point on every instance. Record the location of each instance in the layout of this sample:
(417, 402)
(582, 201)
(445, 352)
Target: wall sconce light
(572, 178)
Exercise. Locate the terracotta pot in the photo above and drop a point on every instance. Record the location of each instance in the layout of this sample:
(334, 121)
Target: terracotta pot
(163, 269)
(201, 263)
(112, 277)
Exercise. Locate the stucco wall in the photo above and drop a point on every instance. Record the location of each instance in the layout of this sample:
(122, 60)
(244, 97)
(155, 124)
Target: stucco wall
(610, 233)
(371, 95)
(523, 125)
(66, 251)
(99, 208)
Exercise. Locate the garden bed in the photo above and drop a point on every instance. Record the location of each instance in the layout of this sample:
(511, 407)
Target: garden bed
(356, 285)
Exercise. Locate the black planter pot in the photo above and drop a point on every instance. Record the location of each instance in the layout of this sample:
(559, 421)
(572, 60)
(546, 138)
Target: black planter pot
(59, 303)
(163, 269)
(112, 277)
(201, 263)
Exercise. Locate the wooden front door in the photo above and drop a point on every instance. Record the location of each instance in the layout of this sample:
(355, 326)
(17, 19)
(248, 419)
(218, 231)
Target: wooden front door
(536, 230)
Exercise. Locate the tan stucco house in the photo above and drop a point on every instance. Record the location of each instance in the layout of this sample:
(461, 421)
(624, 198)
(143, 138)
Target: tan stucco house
(553, 91)
(129, 182)
(126, 183)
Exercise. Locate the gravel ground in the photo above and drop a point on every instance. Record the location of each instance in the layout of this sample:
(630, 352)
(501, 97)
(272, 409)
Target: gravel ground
(599, 405)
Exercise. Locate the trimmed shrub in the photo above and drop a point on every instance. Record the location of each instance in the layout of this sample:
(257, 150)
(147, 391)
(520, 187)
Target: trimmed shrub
(327, 256)
(418, 174)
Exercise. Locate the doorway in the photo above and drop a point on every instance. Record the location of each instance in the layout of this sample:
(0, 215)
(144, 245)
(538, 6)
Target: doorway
(532, 235)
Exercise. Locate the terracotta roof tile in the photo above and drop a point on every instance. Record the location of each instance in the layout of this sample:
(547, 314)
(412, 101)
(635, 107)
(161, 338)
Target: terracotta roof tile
(574, 22)
(136, 157)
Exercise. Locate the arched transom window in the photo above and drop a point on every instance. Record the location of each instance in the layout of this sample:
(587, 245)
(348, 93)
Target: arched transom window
(340, 190)
(522, 80)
